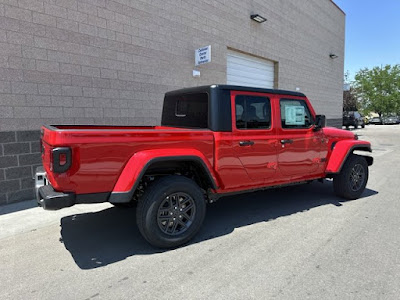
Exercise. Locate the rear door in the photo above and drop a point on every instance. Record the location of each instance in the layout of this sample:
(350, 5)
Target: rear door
(254, 136)
(300, 145)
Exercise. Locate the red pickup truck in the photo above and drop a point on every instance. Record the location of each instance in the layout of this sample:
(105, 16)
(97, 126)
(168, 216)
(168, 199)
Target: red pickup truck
(214, 141)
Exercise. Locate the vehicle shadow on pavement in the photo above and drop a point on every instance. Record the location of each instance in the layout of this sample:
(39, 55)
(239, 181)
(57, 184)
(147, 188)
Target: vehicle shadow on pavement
(105, 237)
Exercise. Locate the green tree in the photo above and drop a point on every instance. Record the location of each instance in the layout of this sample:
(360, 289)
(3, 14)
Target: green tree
(349, 96)
(349, 100)
(378, 89)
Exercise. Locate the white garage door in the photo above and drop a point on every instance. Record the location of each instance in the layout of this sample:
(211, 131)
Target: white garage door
(248, 70)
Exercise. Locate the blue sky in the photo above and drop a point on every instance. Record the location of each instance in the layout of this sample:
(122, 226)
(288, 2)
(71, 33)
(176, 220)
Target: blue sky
(372, 33)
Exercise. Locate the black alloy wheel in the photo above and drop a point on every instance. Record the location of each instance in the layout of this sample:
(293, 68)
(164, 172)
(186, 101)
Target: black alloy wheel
(357, 177)
(171, 211)
(352, 179)
(176, 213)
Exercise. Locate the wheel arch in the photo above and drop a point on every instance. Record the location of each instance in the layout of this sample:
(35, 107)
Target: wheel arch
(174, 163)
(341, 152)
(167, 164)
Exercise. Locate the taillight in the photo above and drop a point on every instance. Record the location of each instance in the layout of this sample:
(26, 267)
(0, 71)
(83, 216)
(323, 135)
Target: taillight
(63, 159)
(60, 159)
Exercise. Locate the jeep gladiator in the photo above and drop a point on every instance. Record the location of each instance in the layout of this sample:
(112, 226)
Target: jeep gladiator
(213, 141)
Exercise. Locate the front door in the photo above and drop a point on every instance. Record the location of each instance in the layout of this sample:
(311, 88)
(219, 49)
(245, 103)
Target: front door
(254, 136)
(300, 145)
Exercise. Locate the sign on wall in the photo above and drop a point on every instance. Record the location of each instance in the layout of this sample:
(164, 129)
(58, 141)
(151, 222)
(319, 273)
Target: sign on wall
(202, 55)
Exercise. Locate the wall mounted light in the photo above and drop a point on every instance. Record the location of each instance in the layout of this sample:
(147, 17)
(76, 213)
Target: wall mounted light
(258, 18)
(333, 56)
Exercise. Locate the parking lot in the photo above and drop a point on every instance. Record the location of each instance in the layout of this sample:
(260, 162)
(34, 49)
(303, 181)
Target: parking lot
(295, 243)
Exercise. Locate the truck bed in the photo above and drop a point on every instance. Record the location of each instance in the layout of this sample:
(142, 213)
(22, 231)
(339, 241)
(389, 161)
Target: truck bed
(99, 153)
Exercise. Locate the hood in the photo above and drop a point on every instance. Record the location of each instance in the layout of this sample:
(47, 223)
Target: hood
(338, 133)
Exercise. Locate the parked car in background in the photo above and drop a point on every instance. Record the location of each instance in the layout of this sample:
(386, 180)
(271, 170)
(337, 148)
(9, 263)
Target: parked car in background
(391, 120)
(375, 121)
(353, 118)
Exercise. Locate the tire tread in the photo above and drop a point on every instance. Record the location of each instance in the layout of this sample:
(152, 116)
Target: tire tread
(340, 181)
(148, 199)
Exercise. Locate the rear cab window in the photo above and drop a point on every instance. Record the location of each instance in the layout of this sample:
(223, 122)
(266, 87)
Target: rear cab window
(187, 111)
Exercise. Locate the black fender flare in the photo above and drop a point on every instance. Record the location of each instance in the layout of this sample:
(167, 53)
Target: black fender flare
(125, 197)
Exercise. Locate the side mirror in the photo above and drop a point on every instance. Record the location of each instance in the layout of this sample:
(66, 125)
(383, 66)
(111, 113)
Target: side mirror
(320, 122)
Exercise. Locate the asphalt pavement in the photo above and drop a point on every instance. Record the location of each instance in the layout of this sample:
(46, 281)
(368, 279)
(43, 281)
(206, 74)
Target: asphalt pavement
(295, 243)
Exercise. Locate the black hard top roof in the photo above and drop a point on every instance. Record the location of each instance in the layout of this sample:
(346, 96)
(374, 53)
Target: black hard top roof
(207, 88)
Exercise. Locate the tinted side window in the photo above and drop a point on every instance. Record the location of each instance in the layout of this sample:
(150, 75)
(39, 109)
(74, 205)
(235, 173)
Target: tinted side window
(188, 110)
(295, 114)
(252, 112)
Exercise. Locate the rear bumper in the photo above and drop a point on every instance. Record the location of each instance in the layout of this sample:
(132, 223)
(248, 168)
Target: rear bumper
(50, 199)
(47, 197)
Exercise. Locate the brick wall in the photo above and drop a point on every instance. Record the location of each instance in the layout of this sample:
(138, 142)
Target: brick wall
(338, 123)
(19, 157)
(111, 61)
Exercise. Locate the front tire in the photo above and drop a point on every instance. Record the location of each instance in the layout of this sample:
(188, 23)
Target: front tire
(171, 211)
(351, 181)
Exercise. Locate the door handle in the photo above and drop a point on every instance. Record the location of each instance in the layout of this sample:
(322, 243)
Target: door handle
(286, 142)
(246, 143)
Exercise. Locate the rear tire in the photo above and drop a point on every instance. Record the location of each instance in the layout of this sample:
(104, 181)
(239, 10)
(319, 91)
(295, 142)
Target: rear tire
(351, 181)
(171, 211)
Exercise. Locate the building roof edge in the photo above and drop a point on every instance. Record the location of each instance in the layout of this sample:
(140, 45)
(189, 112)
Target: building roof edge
(338, 7)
